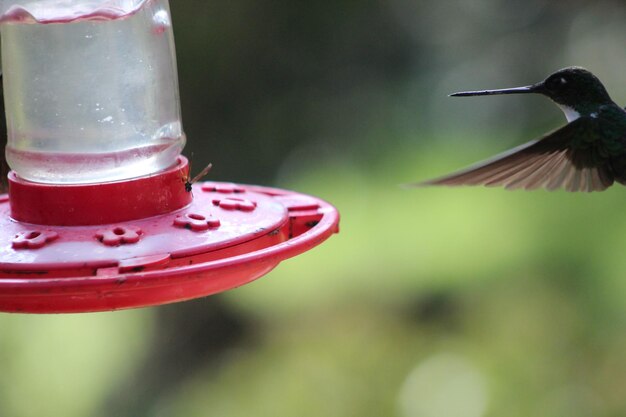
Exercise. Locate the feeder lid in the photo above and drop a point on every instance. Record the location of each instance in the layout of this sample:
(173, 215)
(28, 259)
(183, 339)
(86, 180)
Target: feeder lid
(229, 235)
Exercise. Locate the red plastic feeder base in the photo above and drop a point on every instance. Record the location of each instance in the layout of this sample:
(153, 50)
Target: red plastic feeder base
(225, 236)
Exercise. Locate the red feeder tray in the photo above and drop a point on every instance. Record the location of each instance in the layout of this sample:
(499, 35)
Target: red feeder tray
(146, 241)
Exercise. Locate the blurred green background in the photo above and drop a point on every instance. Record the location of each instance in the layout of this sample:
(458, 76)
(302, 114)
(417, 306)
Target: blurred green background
(436, 302)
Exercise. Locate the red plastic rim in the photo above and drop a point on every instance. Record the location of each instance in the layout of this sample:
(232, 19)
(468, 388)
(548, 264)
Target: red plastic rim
(166, 277)
(102, 203)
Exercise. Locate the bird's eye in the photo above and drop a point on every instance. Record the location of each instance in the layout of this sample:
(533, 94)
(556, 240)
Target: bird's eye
(555, 83)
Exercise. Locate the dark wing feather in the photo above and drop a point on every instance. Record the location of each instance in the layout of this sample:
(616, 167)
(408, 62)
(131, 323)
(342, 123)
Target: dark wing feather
(564, 158)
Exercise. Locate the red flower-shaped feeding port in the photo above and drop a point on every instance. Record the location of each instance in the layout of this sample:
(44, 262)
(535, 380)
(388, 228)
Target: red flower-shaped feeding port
(223, 188)
(118, 235)
(234, 203)
(195, 221)
(33, 239)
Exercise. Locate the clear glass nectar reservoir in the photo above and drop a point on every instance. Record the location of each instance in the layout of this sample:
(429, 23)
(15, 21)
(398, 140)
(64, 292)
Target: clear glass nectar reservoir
(90, 89)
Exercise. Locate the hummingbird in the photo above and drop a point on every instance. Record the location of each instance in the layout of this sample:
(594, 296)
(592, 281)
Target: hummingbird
(587, 154)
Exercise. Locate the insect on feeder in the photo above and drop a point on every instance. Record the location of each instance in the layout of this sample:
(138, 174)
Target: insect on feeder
(100, 214)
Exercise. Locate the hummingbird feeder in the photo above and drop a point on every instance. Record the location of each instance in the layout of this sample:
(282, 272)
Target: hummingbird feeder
(100, 213)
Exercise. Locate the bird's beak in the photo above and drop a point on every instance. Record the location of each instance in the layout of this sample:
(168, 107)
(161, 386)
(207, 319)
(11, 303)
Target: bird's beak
(535, 88)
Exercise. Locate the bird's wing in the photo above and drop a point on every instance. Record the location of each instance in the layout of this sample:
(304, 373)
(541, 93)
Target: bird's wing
(565, 158)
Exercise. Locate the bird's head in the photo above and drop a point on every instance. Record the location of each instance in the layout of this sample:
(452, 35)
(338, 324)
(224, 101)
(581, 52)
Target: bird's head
(576, 90)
